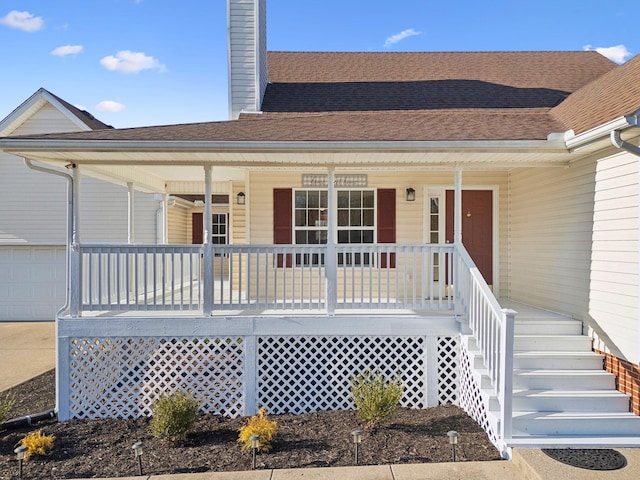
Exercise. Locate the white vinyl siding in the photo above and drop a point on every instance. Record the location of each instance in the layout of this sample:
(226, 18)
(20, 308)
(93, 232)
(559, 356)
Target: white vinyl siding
(574, 246)
(33, 203)
(179, 225)
(247, 57)
(104, 213)
(614, 267)
(551, 219)
(47, 119)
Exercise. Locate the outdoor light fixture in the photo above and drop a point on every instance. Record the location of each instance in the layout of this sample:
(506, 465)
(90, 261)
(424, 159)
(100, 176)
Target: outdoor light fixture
(240, 198)
(411, 195)
(20, 452)
(453, 441)
(137, 448)
(357, 440)
(255, 444)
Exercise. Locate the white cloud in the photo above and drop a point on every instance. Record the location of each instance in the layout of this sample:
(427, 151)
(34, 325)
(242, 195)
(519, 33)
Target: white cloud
(127, 61)
(80, 107)
(66, 50)
(398, 37)
(22, 21)
(110, 106)
(617, 53)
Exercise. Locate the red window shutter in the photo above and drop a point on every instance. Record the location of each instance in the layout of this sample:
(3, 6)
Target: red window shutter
(387, 223)
(282, 220)
(197, 233)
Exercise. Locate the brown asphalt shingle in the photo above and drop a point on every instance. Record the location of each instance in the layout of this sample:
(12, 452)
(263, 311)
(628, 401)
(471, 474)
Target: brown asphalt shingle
(421, 125)
(614, 94)
(448, 96)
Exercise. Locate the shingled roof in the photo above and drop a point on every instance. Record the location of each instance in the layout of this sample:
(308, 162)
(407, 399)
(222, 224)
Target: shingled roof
(427, 95)
(614, 94)
(447, 96)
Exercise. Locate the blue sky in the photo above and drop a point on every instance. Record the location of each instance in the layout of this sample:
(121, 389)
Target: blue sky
(154, 62)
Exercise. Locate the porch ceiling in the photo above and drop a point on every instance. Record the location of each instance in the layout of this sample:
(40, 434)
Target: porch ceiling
(163, 162)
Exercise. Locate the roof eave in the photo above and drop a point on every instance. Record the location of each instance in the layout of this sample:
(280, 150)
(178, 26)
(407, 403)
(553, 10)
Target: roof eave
(599, 136)
(24, 145)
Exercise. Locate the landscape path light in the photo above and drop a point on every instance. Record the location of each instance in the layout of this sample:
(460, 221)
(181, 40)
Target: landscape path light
(453, 441)
(357, 440)
(21, 453)
(255, 444)
(137, 449)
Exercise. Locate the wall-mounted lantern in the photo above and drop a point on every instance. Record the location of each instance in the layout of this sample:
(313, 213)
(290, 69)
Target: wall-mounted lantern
(411, 195)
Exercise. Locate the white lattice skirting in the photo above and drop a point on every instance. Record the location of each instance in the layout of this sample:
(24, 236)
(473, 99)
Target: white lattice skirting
(470, 396)
(120, 377)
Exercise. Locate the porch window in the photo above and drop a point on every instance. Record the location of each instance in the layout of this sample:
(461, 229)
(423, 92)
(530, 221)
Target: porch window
(310, 223)
(219, 228)
(355, 222)
(362, 216)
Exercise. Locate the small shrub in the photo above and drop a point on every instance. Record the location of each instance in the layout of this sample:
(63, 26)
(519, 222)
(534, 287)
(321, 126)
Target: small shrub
(258, 425)
(174, 416)
(374, 396)
(6, 404)
(37, 444)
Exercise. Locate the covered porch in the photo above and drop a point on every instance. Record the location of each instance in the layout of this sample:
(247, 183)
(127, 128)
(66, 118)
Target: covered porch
(165, 316)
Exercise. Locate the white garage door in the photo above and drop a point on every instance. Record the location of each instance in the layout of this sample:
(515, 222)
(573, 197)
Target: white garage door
(32, 282)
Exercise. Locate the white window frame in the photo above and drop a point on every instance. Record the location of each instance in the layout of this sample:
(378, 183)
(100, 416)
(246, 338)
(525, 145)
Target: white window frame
(334, 219)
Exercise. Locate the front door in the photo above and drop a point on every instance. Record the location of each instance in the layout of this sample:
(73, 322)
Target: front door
(477, 227)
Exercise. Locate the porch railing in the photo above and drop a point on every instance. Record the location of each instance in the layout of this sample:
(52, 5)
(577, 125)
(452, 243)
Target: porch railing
(493, 330)
(261, 277)
(140, 277)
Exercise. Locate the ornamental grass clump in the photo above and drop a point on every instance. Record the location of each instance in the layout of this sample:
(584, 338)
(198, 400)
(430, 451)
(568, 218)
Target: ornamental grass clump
(6, 404)
(258, 425)
(375, 396)
(174, 416)
(37, 443)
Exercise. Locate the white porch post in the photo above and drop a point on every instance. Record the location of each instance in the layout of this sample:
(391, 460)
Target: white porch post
(506, 380)
(330, 261)
(207, 306)
(131, 202)
(75, 294)
(457, 240)
(165, 218)
(457, 214)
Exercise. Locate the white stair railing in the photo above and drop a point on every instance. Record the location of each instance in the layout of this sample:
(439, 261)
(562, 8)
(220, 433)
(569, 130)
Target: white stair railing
(493, 330)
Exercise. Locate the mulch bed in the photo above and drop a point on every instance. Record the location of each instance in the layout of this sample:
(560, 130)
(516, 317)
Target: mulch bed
(102, 448)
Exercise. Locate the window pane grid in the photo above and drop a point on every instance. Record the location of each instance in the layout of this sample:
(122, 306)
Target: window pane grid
(355, 222)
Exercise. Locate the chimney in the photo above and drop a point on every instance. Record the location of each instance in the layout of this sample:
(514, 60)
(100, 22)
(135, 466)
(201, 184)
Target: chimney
(247, 37)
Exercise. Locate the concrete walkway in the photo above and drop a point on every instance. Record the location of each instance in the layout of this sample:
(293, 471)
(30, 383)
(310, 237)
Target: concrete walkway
(27, 349)
(527, 464)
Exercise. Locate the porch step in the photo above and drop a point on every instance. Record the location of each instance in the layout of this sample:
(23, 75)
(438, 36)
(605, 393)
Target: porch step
(568, 401)
(563, 380)
(563, 343)
(557, 360)
(575, 423)
(536, 326)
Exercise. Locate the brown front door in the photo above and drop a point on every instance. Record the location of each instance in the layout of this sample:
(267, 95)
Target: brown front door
(477, 227)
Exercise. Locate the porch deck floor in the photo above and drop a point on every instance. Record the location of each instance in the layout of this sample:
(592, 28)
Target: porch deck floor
(524, 312)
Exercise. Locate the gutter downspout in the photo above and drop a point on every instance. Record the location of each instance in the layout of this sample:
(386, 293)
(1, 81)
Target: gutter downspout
(70, 227)
(71, 237)
(617, 142)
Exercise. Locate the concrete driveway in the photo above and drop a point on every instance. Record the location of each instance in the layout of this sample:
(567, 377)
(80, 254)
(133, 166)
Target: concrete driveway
(27, 349)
